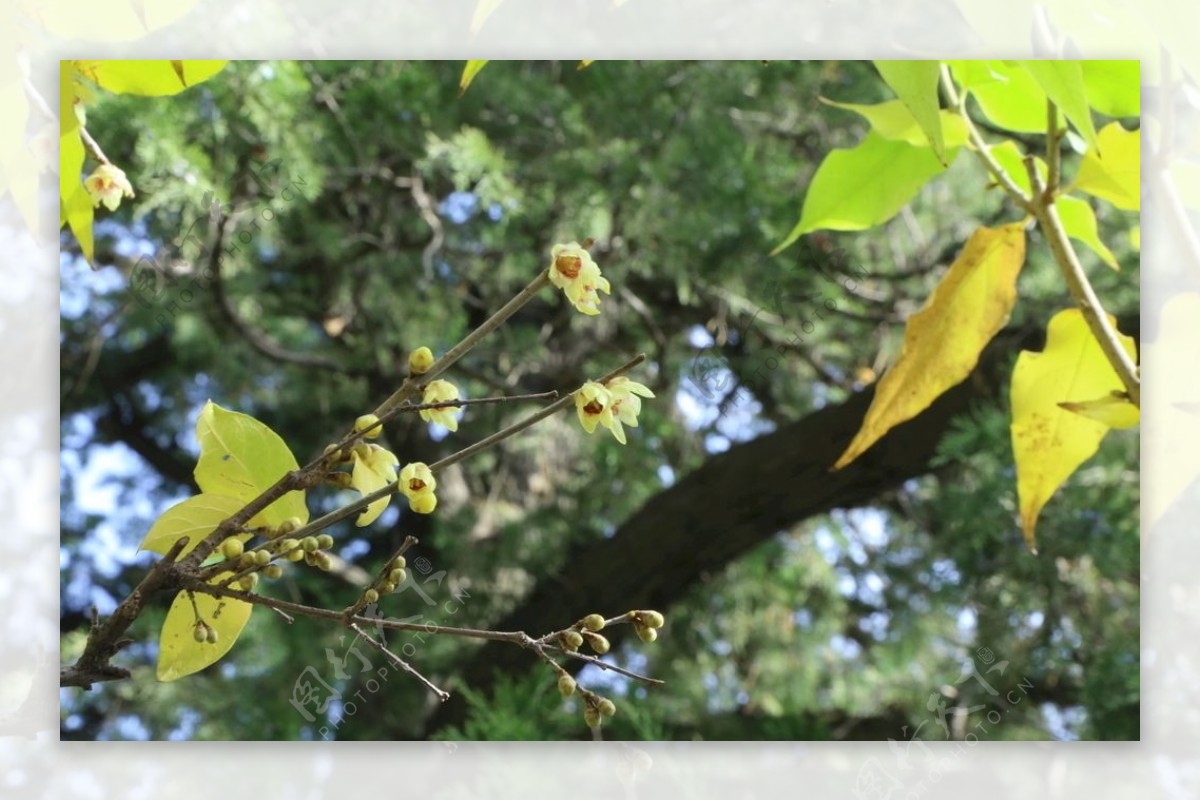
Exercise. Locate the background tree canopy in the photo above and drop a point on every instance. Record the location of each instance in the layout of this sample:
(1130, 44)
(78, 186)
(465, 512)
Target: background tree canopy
(364, 209)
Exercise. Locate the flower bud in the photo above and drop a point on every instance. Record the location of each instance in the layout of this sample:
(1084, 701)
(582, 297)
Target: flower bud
(399, 562)
(309, 544)
(324, 542)
(200, 631)
(397, 576)
(289, 525)
(387, 587)
(248, 583)
(365, 422)
(653, 619)
(594, 622)
(212, 635)
(598, 642)
(321, 559)
(296, 555)
(606, 708)
(571, 640)
(232, 548)
(371, 596)
(262, 557)
(273, 571)
(591, 717)
(288, 544)
(420, 360)
(247, 560)
(566, 685)
(646, 633)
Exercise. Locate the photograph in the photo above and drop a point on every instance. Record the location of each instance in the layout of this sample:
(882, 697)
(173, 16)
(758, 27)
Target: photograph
(601, 400)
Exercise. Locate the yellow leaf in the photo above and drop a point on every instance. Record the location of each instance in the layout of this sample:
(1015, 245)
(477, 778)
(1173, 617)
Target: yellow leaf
(1115, 177)
(179, 654)
(584, 64)
(240, 457)
(154, 78)
(1115, 410)
(194, 518)
(469, 72)
(942, 342)
(1048, 441)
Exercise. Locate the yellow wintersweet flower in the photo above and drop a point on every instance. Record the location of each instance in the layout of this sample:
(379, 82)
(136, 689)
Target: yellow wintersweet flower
(593, 402)
(420, 360)
(374, 468)
(626, 405)
(440, 391)
(613, 406)
(417, 483)
(107, 184)
(574, 272)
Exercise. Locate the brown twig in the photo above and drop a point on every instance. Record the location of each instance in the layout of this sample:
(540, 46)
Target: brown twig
(442, 695)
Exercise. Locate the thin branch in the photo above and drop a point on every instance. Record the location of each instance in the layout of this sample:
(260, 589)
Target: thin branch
(361, 603)
(1053, 152)
(600, 663)
(93, 146)
(442, 695)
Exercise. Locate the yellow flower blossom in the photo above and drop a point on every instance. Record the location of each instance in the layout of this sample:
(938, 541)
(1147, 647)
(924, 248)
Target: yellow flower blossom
(613, 406)
(374, 468)
(574, 272)
(417, 483)
(107, 184)
(420, 360)
(440, 391)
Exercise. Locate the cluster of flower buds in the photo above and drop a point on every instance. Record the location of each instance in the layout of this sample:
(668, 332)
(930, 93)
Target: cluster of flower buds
(203, 632)
(387, 581)
(596, 708)
(646, 623)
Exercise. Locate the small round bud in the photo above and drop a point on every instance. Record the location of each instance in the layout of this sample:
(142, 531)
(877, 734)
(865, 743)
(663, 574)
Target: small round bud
(296, 555)
(289, 525)
(399, 562)
(387, 587)
(606, 708)
(322, 560)
(653, 619)
(232, 548)
(647, 634)
(273, 571)
(368, 421)
(248, 583)
(598, 642)
(566, 685)
(309, 544)
(288, 545)
(397, 576)
(324, 541)
(591, 717)
(262, 557)
(212, 635)
(371, 596)
(571, 640)
(420, 360)
(340, 480)
(247, 560)
(339, 456)
(200, 632)
(593, 622)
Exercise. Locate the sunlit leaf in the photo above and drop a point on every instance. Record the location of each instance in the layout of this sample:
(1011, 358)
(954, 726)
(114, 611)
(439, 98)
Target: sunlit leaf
(154, 78)
(468, 74)
(1135, 237)
(1010, 158)
(1079, 221)
(241, 457)
(1062, 81)
(1007, 95)
(585, 63)
(179, 654)
(194, 518)
(916, 84)
(1114, 172)
(1049, 442)
(892, 120)
(859, 188)
(942, 341)
(1115, 410)
(1114, 87)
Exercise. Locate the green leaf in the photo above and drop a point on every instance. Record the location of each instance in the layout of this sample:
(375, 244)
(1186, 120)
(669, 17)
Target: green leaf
(1079, 221)
(179, 654)
(1010, 158)
(1007, 95)
(856, 189)
(194, 518)
(1114, 87)
(1112, 172)
(240, 457)
(1062, 81)
(916, 84)
(892, 120)
(154, 78)
(468, 74)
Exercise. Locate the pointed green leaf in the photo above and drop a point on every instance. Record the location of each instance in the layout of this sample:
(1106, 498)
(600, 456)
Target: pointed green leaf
(179, 654)
(1010, 158)
(194, 518)
(154, 78)
(1079, 221)
(241, 457)
(1062, 81)
(468, 74)
(916, 84)
(892, 120)
(1113, 172)
(1114, 87)
(856, 189)
(1007, 95)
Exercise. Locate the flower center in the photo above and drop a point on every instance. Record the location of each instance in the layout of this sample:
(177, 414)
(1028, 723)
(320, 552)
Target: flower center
(416, 485)
(568, 266)
(595, 407)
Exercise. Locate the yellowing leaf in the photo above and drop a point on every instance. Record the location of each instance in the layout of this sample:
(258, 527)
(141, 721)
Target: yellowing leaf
(1115, 410)
(240, 457)
(374, 468)
(194, 518)
(1135, 237)
(916, 84)
(892, 120)
(1048, 441)
(179, 654)
(468, 74)
(1113, 172)
(1007, 95)
(1062, 81)
(154, 78)
(585, 63)
(942, 341)
(1114, 87)
(1079, 221)
(856, 189)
